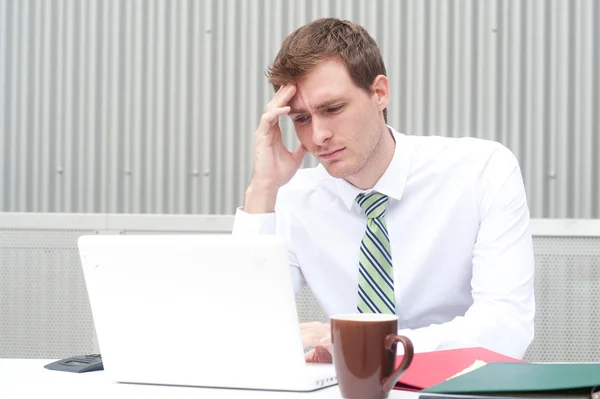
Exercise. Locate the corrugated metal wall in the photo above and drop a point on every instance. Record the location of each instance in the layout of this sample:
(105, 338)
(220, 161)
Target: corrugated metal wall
(150, 105)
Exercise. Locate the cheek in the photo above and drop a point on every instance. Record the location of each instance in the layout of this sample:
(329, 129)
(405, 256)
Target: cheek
(303, 135)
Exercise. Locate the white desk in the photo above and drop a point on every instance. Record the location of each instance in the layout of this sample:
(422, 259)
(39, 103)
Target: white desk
(26, 378)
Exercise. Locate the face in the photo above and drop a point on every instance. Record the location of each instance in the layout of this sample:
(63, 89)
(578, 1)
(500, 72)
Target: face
(339, 123)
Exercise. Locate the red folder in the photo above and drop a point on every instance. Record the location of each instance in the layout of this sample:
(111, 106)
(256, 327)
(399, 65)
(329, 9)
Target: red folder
(431, 368)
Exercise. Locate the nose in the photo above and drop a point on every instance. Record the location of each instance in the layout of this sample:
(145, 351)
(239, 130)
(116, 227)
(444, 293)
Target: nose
(320, 132)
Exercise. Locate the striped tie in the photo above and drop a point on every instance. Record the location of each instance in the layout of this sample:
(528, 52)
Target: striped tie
(375, 280)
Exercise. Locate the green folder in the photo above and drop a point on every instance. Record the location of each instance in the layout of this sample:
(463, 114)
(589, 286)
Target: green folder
(526, 380)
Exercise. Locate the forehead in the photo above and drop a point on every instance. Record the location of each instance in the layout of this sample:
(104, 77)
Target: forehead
(328, 80)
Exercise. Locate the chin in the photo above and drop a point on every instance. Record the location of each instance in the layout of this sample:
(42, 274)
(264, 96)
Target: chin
(338, 171)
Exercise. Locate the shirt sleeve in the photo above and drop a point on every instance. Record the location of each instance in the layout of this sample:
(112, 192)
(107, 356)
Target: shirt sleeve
(502, 314)
(269, 223)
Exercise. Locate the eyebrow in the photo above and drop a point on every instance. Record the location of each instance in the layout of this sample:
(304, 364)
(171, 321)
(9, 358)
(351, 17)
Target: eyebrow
(323, 104)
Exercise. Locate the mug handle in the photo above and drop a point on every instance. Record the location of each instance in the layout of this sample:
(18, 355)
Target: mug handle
(390, 345)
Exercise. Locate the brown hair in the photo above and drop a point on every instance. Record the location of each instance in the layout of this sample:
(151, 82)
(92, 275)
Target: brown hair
(325, 38)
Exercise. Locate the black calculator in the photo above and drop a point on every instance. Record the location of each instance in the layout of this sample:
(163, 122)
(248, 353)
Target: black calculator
(78, 364)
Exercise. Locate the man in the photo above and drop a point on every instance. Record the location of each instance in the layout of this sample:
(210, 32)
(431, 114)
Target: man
(433, 229)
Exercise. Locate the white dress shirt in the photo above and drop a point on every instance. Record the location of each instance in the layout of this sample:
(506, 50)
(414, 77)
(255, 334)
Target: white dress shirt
(458, 223)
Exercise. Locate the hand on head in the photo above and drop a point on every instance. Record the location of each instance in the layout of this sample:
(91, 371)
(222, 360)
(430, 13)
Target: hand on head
(274, 164)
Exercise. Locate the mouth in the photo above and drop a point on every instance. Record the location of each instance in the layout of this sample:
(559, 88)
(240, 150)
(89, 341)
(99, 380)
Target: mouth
(331, 154)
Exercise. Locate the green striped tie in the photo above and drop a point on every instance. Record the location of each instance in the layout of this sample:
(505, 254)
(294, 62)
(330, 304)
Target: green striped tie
(376, 278)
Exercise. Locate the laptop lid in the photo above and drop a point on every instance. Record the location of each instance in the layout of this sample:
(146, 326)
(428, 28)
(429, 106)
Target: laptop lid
(205, 310)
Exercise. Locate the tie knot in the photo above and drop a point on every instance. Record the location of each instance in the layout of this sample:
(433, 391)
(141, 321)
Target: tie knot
(373, 204)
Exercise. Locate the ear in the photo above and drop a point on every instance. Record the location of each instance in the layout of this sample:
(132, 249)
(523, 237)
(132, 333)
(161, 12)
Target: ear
(381, 90)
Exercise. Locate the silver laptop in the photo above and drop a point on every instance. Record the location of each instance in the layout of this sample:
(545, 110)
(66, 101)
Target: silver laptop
(197, 310)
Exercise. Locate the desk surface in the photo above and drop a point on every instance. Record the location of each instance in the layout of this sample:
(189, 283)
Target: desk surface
(20, 378)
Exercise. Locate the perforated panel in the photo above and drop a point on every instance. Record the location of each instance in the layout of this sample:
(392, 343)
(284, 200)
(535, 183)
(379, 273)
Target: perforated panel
(308, 308)
(44, 306)
(45, 313)
(567, 323)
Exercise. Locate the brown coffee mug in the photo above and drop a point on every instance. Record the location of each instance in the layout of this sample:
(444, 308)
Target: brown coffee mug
(364, 354)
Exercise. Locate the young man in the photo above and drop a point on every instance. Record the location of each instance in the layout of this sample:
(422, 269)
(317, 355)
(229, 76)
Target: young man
(433, 229)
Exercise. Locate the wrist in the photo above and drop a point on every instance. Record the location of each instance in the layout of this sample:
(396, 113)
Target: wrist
(260, 199)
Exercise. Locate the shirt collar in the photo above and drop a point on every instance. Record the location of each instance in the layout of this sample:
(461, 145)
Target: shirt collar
(393, 180)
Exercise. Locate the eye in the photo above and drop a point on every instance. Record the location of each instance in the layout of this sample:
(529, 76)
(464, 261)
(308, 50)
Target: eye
(333, 110)
(301, 119)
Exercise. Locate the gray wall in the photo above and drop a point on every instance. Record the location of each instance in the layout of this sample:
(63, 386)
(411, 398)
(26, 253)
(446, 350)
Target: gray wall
(149, 106)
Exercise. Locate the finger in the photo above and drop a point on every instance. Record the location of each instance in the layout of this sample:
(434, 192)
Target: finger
(287, 94)
(269, 118)
(311, 340)
(326, 340)
(322, 328)
(328, 346)
(322, 355)
(275, 96)
(279, 92)
(313, 337)
(310, 357)
(311, 324)
(299, 155)
(282, 97)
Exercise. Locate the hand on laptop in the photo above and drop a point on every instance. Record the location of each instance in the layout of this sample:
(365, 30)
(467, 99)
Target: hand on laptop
(317, 335)
(318, 355)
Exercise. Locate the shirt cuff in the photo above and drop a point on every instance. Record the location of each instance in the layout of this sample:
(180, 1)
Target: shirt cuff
(423, 340)
(260, 223)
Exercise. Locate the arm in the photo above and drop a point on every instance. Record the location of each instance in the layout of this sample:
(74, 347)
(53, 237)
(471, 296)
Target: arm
(313, 334)
(501, 317)
(269, 223)
(274, 166)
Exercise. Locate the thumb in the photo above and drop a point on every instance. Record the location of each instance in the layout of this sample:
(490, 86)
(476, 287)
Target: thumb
(310, 357)
(322, 355)
(327, 345)
(300, 153)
